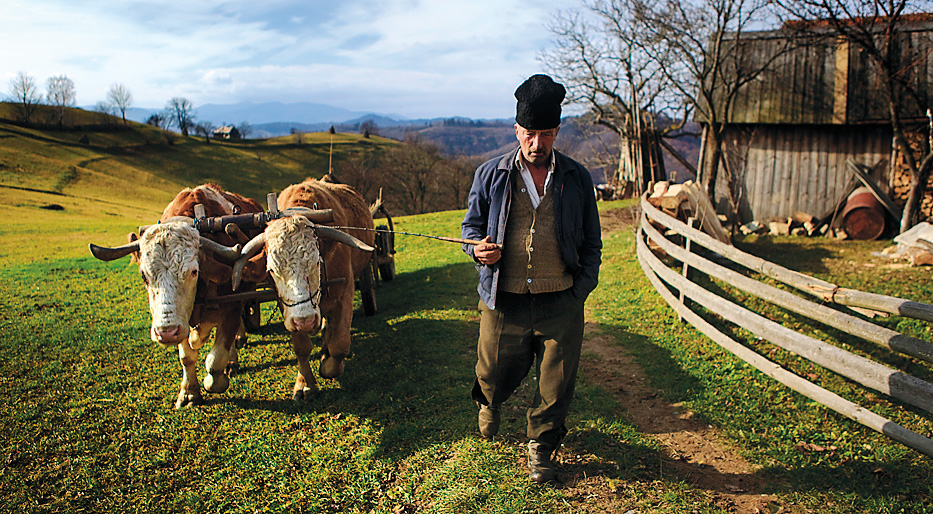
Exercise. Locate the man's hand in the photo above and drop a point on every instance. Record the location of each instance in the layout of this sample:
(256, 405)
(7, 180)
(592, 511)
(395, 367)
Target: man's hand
(487, 252)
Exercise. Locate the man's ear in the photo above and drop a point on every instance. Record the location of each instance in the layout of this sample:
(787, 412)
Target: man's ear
(213, 271)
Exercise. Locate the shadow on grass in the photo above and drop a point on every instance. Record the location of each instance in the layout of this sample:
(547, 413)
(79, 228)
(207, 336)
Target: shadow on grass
(623, 458)
(792, 253)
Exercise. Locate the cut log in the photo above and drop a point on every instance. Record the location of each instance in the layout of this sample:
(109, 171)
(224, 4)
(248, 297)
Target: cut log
(673, 197)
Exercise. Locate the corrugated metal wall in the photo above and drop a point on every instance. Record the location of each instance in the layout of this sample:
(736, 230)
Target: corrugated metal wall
(798, 168)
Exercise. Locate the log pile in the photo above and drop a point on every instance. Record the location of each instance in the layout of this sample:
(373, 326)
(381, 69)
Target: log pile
(685, 201)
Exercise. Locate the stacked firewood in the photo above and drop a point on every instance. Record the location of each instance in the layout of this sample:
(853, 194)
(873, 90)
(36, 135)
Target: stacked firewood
(686, 201)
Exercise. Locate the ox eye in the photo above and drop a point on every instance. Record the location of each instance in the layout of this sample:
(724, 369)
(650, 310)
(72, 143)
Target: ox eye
(194, 273)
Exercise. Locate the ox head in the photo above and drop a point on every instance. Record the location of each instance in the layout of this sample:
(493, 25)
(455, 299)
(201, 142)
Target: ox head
(293, 259)
(172, 256)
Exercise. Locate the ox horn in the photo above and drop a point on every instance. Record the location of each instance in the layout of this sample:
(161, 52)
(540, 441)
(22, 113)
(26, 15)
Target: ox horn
(252, 249)
(230, 253)
(314, 215)
(108, 254)
(342, 237)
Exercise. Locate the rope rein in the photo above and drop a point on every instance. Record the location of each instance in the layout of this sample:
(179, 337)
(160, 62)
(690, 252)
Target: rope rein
(386, 231)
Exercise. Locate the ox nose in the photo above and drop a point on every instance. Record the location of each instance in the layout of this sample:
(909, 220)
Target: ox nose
(310, 324)
(171, 334)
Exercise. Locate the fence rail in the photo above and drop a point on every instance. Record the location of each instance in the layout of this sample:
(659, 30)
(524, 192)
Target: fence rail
(866, 372)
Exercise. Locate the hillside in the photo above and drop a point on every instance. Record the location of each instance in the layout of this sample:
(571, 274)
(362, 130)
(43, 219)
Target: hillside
(94, 156)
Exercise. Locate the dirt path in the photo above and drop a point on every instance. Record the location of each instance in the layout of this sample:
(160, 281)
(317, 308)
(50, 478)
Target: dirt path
(693, 451)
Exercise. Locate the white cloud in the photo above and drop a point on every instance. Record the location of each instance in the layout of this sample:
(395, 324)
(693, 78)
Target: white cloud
(412, 57)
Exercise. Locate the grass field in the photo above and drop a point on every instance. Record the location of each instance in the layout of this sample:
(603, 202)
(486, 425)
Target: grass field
(86, 399)
(87, 424)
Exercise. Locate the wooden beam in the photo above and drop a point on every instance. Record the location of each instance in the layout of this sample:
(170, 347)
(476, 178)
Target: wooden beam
(875, 190)
(829, 399)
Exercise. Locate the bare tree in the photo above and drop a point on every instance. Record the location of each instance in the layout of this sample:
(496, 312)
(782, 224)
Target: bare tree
(120, 98)
(362, 170)
(411, 169)
(25, 94)
(698, 47)
(61, 94)
(180, 113)
(245, 129)
(877, 29)
(204, 129)
(599, 55)
(455, 180)
(157, 120)
(369, 128)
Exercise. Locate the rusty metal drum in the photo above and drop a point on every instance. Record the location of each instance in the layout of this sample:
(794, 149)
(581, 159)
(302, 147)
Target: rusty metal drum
(863, 217)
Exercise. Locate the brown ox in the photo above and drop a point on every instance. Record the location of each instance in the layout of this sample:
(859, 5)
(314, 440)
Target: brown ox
(298, 261)
(177, 264)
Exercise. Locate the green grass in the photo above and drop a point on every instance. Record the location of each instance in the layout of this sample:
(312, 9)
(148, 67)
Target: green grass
(137, 166)
(86, 400)
(87, 419)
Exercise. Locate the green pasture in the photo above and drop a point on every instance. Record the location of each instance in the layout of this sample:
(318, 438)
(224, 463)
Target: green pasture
(139, 166)
(86, 399)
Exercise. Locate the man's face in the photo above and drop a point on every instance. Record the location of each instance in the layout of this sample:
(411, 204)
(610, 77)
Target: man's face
(536, 144)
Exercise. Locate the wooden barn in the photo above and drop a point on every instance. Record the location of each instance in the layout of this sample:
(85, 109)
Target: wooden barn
(818, 105)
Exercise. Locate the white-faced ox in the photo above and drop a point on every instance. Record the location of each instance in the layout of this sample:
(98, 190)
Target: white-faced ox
(177, 264)
(300, 256)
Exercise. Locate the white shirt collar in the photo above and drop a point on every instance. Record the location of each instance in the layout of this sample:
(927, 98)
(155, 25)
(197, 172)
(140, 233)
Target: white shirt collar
(529, 182)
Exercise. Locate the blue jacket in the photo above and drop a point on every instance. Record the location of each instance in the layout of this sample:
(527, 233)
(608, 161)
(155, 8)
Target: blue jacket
(575, 216)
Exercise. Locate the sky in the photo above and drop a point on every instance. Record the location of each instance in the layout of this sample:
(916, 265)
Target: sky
(414, 58)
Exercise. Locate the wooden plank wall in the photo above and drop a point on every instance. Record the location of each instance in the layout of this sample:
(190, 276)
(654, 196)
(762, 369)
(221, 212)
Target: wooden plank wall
(799, 168)
(826, 81)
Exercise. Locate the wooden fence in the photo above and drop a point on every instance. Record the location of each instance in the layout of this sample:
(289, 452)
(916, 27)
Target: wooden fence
(891, 382)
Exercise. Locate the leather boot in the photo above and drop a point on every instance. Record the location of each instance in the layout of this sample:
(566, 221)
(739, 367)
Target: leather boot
(488, 420)
(541, 469)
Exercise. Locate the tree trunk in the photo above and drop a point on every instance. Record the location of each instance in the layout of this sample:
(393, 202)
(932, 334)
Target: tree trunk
(918, 188)
(710, 166)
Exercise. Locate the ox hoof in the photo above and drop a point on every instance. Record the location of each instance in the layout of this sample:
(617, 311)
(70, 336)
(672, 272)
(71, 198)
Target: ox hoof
(303, 395)
(331, 367)
(216, 382)
(186, 399)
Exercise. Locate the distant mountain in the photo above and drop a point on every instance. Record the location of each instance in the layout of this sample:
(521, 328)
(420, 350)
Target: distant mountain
(306, 113)
(268, 112)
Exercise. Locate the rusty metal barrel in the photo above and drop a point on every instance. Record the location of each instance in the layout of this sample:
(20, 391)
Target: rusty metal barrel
(863, 217)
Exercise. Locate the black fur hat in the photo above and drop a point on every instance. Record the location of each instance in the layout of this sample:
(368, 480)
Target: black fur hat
(539, 100)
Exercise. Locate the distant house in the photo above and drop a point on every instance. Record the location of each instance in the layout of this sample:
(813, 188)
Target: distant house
(226, 132)
(792, 130)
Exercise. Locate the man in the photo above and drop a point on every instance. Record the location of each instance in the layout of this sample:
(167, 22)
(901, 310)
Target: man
(535, 210)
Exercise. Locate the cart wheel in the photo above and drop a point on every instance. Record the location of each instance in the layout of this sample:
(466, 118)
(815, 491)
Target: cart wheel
(385, 248)
(252, 318)
(387, 270)
(367, 287)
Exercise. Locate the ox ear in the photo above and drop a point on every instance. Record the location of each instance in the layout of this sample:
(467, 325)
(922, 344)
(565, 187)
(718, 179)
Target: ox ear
(132, 237)
(255, 269)
(213, 271)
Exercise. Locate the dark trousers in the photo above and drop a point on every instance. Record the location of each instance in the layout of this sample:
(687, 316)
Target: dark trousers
(543, 329)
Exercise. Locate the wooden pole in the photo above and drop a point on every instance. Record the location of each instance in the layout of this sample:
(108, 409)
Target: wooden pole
(858, 327)
(889, 381)
(832, 401)
(824, 290)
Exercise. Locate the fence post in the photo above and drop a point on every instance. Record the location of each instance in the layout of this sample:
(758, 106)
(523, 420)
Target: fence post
(691, 221)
